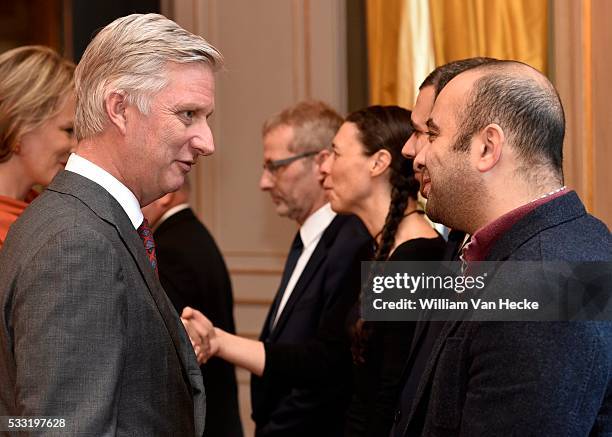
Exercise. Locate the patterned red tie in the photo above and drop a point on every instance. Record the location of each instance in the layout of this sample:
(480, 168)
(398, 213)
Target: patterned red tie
(146, 235)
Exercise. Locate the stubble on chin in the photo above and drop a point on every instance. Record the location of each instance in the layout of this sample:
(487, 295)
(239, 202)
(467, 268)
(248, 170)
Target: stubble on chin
(457, 203)
(434, 212)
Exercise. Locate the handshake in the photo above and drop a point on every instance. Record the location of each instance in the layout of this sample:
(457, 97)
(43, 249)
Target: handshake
(205, 338)
(208, 341)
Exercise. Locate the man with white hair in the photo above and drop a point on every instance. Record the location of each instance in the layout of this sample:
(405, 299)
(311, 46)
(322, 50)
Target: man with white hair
(87, 334)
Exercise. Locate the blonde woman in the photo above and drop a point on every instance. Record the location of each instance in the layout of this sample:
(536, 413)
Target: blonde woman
(37, 106)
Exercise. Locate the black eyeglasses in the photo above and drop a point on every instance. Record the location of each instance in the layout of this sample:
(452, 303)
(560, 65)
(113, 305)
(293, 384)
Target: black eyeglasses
(273, 166)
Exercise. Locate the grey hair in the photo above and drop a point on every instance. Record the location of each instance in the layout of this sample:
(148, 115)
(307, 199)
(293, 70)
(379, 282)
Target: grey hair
(314, 124)
(129, 56)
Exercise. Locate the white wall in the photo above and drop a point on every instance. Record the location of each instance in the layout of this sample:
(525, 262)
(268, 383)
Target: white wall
(277, 53)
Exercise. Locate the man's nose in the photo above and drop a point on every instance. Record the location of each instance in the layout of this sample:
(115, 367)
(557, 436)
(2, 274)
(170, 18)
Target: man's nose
(409, 149)
(419, 160)
(420, 142)
(326, 163)
(266, 181)
(203, 142)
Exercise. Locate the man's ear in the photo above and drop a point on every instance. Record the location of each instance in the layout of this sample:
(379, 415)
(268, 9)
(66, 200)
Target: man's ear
(379, 162)
(115, 104)
(487, 147)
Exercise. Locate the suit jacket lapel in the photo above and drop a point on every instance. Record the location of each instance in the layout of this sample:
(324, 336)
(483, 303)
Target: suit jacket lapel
(171, 320)
(315, 261)
(423, 323)
(428, 373)
(419, 330)
(109, 210)
(265, 331)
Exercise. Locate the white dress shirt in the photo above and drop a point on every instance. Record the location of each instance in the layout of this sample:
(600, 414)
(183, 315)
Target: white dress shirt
(120, 192)
(310, 233)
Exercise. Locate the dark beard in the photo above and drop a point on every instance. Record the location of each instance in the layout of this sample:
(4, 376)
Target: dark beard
(455, 200)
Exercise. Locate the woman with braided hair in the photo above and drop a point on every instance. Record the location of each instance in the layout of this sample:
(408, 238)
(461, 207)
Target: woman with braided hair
(367, 175)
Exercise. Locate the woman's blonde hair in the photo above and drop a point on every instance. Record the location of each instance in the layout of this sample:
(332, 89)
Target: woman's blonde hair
(34, 83)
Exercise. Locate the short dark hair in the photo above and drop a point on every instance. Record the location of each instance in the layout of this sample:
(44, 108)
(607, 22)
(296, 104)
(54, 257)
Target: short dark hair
(445, 73)
(526, 106)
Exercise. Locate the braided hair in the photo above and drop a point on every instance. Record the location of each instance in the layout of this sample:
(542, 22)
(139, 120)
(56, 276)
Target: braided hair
(385, 128)
(388, 128)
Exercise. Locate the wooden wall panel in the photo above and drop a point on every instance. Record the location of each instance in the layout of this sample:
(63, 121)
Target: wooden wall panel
(277, 52)
(602, 110)
(582, 64)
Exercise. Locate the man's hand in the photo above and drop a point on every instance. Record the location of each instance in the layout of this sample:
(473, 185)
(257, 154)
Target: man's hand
(208, 341)
(201, 333)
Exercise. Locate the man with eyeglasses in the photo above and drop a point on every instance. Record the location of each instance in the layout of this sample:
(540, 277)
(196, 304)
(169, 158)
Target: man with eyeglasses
(315, 282)
(302, 364)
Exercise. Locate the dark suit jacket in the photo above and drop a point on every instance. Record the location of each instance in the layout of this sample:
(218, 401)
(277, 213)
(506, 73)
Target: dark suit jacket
(86, 331)
(283, 408)
(454, 244)
(425, 335)
(524, 378)
(193, 273)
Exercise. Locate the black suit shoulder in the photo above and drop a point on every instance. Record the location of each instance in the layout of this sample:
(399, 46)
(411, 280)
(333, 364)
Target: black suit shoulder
(192, 269)
(559, 230)
(185, 235)
(348, 243)
(345, 232)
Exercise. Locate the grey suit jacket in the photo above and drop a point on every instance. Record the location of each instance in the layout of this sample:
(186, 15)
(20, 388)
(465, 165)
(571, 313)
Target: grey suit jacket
(86, 330)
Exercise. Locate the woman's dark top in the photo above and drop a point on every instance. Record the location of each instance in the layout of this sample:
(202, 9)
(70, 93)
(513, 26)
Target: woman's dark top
(376, 381)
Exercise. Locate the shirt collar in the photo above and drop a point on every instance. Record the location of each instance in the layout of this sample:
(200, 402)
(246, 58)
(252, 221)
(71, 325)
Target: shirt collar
(175, 209)
(316, 223)
(120, 192)
(482, 241)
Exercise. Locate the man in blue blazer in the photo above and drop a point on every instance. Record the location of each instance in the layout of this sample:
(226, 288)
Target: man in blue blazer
(495, 142)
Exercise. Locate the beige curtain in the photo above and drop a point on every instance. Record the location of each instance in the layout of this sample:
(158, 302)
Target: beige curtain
(400, 49)
(403, 36)
(505, 29)
(383, 23)
(582, 65)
